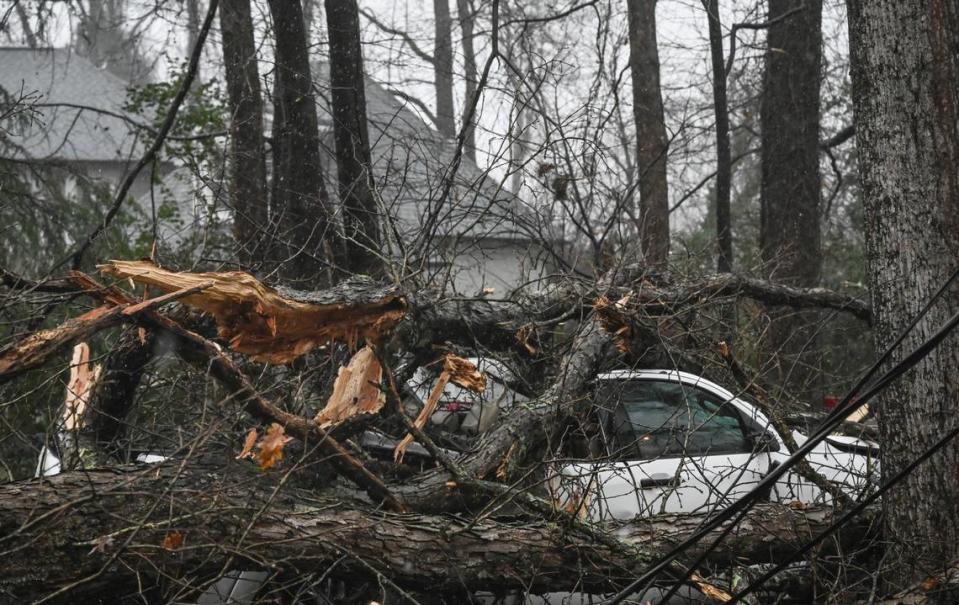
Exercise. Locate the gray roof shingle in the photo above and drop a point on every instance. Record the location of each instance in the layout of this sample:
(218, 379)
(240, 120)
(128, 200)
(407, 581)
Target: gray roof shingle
(61, 78)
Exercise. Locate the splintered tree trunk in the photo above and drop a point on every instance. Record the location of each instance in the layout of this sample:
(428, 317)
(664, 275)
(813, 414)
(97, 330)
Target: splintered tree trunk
(464, 9)
(350, 132)
(724, 166)
(247, 185)
(652, 142)
(904, 59)
(299, 210)
(443, 68)
(789, 212)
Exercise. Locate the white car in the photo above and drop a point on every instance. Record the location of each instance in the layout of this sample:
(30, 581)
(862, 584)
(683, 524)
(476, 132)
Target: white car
(673, 442)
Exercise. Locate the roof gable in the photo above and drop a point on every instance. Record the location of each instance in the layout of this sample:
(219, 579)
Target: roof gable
(63, 83)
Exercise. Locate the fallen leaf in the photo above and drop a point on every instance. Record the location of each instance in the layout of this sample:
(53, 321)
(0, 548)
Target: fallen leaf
(356, 390)
(173, 541)
(247, 451)
(270, 448)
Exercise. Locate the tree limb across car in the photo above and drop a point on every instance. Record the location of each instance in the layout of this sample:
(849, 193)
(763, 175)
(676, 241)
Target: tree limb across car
(230, 511)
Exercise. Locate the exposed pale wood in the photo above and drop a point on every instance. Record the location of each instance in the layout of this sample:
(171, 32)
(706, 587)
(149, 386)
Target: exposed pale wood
(277, 326)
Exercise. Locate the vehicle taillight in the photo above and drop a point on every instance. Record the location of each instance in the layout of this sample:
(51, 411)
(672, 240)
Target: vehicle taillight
(455, 406)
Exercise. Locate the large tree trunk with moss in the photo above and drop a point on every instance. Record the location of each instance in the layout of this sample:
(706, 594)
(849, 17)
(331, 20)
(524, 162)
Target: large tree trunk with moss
(652, 142)
(789, 212)
(904, 58)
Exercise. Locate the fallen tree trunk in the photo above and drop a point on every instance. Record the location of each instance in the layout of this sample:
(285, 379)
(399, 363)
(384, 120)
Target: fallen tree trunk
(132, 528)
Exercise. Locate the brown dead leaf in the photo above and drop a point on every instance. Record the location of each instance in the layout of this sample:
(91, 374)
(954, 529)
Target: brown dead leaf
(248, 443)
(173, 541)
(356, 390)
(82, 378)
(270, 448)
(257, 320)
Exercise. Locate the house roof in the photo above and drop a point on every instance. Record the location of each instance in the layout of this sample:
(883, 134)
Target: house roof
(410, 161)
(58, 80)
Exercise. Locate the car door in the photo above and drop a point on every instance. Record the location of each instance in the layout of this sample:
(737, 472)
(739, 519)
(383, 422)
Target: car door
(671, 447)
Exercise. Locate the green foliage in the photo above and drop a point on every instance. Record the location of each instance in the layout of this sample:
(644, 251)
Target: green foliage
(202, 113)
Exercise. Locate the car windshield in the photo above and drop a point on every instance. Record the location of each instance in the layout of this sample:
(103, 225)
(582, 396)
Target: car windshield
(652, 419)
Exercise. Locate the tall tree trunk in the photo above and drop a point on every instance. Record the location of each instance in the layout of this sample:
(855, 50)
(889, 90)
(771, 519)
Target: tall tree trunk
(905, 64)
(789, 234)
(789, 220)
(724, 166)
(28, 34)
(192, 30)
(360, 215)
(652, 142)
(247, 186)
(464, 9)
(443, 68)
(299, 204)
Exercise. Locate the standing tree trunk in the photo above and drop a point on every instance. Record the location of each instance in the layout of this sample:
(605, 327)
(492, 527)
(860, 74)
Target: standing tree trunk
(904, 60)
(352, 141)
(652, 142)
(247, 186)
(464, 9)
(299, 209)
(789, 235)
(443, 68)
(724, 165)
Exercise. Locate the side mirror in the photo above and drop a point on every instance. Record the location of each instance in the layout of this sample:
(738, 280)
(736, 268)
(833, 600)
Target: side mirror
(765, 442)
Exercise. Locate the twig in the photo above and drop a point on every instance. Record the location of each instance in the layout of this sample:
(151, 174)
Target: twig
(76, 256)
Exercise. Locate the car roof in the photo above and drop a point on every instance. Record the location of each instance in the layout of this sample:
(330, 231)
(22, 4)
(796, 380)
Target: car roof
(663, 374)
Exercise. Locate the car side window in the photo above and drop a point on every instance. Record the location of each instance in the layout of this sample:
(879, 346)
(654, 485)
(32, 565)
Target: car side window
(654, 419)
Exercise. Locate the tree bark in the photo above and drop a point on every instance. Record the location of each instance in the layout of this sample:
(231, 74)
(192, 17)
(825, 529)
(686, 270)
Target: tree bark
(299, 210)
(443, 68)
(352, 141)
(466, 14)
(790, 194)
(789, 232)
(247, 187)
(904, 60)
(724, 166)
(652, 141)
(100, 532)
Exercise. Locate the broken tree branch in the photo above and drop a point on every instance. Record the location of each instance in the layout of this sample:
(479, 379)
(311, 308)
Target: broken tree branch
(40, 347)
